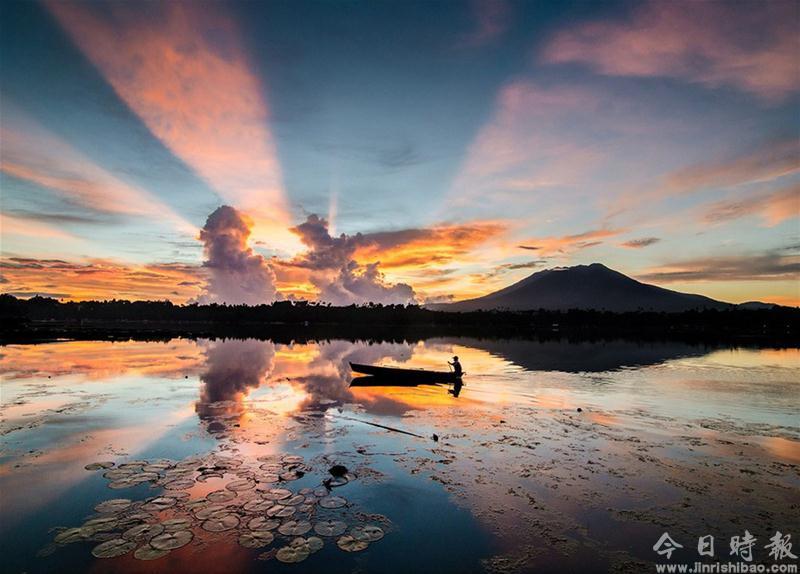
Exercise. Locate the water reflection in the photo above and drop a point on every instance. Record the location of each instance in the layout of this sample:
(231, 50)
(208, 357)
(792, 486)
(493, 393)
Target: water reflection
(515, 460)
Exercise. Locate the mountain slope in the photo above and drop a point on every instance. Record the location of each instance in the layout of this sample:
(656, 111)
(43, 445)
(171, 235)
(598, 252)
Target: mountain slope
(592, 286)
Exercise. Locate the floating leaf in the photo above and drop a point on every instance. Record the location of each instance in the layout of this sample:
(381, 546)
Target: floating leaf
(258, 505)
(330, 528)
(143, 532)
(332, 502)
(276, 494)
(113, 548)
(147, 552)
(368, 533)
(321, 491)
(350, 544)
(256, 538)
(220, 496)
(293, 554)
(294, 501)
(292, 459)
(314, 544)
(179, 484)
(263, 523)
(239, 485)
(281, 511)
(99, 465)
(221, 523)
(174, 524)
(172, 540)
(294, 528)
(160, 503)
(292, 475)
(213, 511)
(114, 505)
(69, 535)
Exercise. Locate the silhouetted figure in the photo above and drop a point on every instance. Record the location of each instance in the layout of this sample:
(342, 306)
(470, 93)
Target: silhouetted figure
(456, 367)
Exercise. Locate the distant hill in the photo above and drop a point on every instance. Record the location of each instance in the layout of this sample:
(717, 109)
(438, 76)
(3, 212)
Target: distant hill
(592, 286)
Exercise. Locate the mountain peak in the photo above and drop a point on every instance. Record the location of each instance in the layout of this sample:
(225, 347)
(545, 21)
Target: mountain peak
(592, 286)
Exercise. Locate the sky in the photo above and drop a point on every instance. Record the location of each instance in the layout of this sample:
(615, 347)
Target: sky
(395, 151)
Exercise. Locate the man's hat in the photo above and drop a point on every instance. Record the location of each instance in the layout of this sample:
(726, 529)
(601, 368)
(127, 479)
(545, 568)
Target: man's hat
(455, 358)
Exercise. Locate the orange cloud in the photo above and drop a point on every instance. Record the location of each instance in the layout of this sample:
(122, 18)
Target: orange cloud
(34, 154)
(182, 69)
(99, 279)
(749, 46)
(773, 207)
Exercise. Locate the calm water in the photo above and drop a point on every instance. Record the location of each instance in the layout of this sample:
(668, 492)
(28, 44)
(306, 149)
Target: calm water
(670, 437)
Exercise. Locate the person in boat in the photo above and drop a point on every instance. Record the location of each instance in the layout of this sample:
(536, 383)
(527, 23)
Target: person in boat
(456, 367)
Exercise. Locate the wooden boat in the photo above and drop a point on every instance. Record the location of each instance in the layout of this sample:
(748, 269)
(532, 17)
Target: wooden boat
(397, 376)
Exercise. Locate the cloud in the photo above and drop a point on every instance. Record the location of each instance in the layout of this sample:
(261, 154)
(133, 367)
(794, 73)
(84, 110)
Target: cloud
(770, 161)
(751, 46)
(338, 277)
(236, 273)
(34, 154)
(640, 243)
(100, 279)
(362, 284)
(565, 244)
(773, 207)
(769, 266)
(233, 368)
(492, 20)
(182, 67)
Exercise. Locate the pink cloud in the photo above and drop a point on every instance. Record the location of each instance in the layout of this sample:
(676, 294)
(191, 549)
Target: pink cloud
(773, 207)
(183, 70)
(751, 46)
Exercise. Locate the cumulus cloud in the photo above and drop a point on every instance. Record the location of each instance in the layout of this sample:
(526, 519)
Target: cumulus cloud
(233, 368)
(362, 284)
(236, 273)
(341, 280)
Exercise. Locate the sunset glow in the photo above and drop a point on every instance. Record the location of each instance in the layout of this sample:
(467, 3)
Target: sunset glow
(415, 161)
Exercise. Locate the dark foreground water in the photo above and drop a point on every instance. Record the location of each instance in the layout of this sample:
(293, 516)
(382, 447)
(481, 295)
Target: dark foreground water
(213, 456)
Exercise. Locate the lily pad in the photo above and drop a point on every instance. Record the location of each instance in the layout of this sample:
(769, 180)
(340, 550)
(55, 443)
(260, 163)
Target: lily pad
(114, 505)
(330, 528)
(113, 548)
(147, 552)
(293, 554)
(221, 523)
(172, 540)
(263, 523)
(143, 532)
(332, 502)
(69, 535)
(368, 533)
(280, 511)
(276, 494)
(256, 538)
(258, 505)
(239, 485)
(213, 511)
(99, 465)
(314, 544)
(175, 524)
(292, 459)
(294, 528)
(220, 496)
(350, 544)
(292, 475)
(294, 501)
(160, 503)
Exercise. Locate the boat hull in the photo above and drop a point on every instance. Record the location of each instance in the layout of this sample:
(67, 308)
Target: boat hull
(410, 377)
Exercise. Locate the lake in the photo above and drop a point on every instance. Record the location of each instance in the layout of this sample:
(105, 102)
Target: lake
(215, 456)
